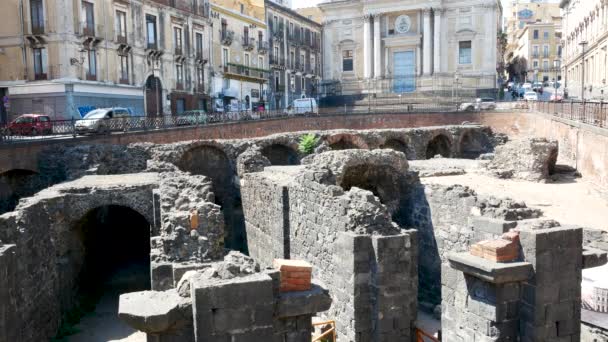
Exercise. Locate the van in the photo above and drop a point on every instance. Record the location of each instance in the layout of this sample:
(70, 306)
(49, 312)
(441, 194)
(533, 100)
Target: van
(303, 106)
(100, 120)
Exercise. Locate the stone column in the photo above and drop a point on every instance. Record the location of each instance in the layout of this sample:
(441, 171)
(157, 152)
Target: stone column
(426, 43)
(367, 47)
(377, 48)
(437, 42)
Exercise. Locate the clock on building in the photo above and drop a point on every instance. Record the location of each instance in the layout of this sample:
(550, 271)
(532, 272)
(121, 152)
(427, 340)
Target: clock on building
(403, 23)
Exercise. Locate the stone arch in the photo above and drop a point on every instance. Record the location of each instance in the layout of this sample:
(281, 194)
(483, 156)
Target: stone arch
(441, 145)
(399, 145)
(346, 142)
(213, 162)
(472, 143)
(279, 154)
(384, 182)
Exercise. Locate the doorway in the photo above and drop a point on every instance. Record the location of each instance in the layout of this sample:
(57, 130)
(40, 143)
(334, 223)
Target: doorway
(404, 64)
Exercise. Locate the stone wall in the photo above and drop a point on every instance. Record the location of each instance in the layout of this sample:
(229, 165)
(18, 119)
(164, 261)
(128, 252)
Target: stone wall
(9, 331)
(368, 263)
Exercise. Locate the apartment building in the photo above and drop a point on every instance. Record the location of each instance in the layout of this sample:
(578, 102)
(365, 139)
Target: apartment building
(295, 55)
(533, 33)
(240, 55)
(540, 45)
(64, 57)
(586, 48)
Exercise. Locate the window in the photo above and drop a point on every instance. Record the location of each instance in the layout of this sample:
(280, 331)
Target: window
(545, 65)
(277, 80)
(261, 65)
(225, 58)
(535, 64)
(92, 72)
(121, 24)
(292, 82)
(179, 76)
(177, 40)
(247, 64)
(276, 23)
(245, 35)
(464, 52)
(151, 31)
(40, 64)
(535, 51)
(347, 60)
(242, 9)
(199, 44)
(89, 17)
(200, 79)
(313, 64)
(124, 69)
(292, 59)
(291, 32)
(546, 34)
(276, 53)
(37, 15)
(546, 51)
(535, 34)
(303, 85)
(302, 60)
(260, 37)
(559, 51)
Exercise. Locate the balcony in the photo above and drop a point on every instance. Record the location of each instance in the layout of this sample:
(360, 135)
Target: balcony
(88, 29)
(38, 29)
(40, 76)
(279, 88)
(239, 71)
(152, 46)
(263, 47)
(226, 37)
(179, 86)
(278, 34)
(178, 51)
(91, 77)
(277, 61)
(123, 81)
(248, 43)
(121, 39)
(200, 58)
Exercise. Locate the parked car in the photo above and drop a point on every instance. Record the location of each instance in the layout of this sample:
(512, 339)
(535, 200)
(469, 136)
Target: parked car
(556, 98)
(192, 117)
(31, 124)
(531, 96)
(479, 104)
(303, 106)
(99, 121)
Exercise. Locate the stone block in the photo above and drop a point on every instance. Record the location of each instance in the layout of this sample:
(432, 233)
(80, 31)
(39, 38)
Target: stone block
(492, 225)
(153, 311)
(593, 257)
(299, 303)
(488, 270)
(295, 274)
(162, 276)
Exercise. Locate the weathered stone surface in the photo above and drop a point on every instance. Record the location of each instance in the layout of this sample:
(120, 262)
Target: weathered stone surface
(251, 160)
(593, 257)
(488, 270)
(299, 303)
(531, 159)
(153, 311)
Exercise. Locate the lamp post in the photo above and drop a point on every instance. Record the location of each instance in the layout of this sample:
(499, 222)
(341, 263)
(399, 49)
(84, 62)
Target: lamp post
(556, 67)
(583, 44)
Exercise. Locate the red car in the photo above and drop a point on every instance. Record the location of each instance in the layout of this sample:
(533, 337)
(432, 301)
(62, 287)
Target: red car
(31, 124)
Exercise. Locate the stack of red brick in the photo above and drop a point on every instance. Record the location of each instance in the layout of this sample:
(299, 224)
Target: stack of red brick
(295, 274)
(502, 250)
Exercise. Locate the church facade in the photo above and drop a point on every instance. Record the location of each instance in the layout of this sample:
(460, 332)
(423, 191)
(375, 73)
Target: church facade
(410, 46)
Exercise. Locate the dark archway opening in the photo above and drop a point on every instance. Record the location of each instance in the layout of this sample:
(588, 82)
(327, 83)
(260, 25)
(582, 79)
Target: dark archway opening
(212, 162)
(16, 184)
(154, 97)
(400, 146)
(108, 254)
(281, 155)
(473, 144)
(439, 145)
(343, 144)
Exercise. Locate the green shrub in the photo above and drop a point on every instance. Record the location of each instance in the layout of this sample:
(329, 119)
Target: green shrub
(308, 143)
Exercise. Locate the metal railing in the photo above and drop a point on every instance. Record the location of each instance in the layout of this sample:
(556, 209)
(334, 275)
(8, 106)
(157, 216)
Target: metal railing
(591, 113)
(227, 36)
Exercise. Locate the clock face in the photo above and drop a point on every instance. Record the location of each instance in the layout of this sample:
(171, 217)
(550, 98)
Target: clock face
(403, 23)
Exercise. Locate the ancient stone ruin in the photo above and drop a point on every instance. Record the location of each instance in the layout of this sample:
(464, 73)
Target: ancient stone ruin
(254, 240)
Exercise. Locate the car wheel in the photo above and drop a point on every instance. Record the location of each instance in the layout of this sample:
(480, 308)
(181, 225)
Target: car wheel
(470, 109)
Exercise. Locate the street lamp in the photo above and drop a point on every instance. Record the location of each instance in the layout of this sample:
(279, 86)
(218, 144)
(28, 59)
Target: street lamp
(583, 44)
(556, 66)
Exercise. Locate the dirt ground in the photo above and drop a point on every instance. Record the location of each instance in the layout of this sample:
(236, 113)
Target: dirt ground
(568, 200)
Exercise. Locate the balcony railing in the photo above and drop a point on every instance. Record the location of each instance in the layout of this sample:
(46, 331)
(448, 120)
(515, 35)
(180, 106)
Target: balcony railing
(279, 88)
(91, 77)
(40, 76)
(121, 39)
(278, 33)
(88, 29)
(263, 47)
(38, 28)
(226, 36)
(178, 51)
(152, 45)
(243, 70)
(248, 43)
(123, 81)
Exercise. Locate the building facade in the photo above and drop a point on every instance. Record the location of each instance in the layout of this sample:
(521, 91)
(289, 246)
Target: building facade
(64, 57)
(295, 55)
(405, 46)
(240, 55)
(539, 45)
(585, 48)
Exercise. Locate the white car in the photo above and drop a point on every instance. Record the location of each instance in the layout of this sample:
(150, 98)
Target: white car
(479, 104)
(531, 96)
(303, 106)
(100, 120)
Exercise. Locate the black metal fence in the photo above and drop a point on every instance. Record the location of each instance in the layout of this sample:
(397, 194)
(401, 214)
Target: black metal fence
(592, 113)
